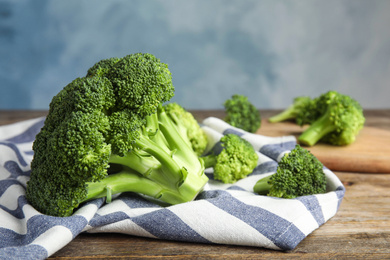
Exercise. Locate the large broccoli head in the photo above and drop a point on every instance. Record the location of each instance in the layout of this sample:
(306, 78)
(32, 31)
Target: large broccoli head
(112, 112)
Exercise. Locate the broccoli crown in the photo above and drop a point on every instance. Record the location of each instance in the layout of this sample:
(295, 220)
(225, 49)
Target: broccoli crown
(338, 125)
(241, 113)
(322, 102)
(71, 148)
(114, 112)
(188, 126)
(299, 173)
(236, 160)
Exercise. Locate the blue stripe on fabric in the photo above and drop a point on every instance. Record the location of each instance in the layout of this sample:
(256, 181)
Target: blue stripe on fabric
(340, 192)
(25, 252)
(29, 134)
(164, 224)
(266, 167)
(16, 151)
(15, 170)
(107, 219)
(313, 206)
(274, 150)
(216, 149)
(232, 131)
(135, 201)
(39, 224)
(212, 194)
(281, 232)
(235, 187)
(5, 184)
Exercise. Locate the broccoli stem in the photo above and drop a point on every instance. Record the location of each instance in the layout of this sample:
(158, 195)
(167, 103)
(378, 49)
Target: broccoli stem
(163, 166)
(129, 181)
(262, 187)
(124, 181)
(209, 160)
(317, 130)
(287, 114)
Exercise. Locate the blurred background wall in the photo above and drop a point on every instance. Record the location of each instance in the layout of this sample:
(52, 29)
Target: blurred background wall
(269, 50)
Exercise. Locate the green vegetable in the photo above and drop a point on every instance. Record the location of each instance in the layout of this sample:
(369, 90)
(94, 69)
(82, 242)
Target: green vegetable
(339, 124)
(301, 110)
(237, 159)
(299, 173)
(241, 113)
(107, 133)
(187, 126)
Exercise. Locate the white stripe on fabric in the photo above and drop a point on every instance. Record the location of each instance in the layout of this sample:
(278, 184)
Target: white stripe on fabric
(289, 209)
(126, 226)
(54, 239)
(11, 130)
(218, 226)
(13, 191)
(328, 203)
(10, 222)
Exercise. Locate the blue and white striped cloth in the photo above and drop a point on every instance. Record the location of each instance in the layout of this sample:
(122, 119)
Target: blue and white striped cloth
(221, 214)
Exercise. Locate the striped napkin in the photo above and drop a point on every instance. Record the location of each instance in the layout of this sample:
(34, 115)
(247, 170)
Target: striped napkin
(221, 214)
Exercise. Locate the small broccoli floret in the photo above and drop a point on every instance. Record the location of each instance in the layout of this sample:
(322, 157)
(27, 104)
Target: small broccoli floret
(241, 113)
(339, 124)
(107, 133)
(300, 110)
(187, 126)
(299, 173)
(235, 161)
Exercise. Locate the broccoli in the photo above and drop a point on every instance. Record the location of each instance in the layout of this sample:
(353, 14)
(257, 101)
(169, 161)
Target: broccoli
(241, 113)
(235, 161)
(187, 126)
(301, 110)
(299, 173)
(107, 133)
(340, 121)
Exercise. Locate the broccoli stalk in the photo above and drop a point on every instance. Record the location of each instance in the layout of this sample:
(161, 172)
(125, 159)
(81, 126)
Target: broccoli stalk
(165, 157)
(187, 126)
(108, 133)
(241, 113)
(338, 125)
(235, 161)
(299, 173)
(300, 110)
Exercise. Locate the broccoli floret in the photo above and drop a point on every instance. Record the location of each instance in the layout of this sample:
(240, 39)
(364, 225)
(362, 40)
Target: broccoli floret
(235, 161)
(301, 110)
(299, 173)
(241, 113)
(339, 124)
(107, 133)
(187, 126)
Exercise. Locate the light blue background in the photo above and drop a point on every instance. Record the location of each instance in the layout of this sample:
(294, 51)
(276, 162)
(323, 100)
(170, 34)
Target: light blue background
(269, 50)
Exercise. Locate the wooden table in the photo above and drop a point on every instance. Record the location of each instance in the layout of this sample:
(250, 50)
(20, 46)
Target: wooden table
(360, 229)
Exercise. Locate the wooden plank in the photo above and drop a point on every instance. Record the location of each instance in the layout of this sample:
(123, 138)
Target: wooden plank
(370, 152)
